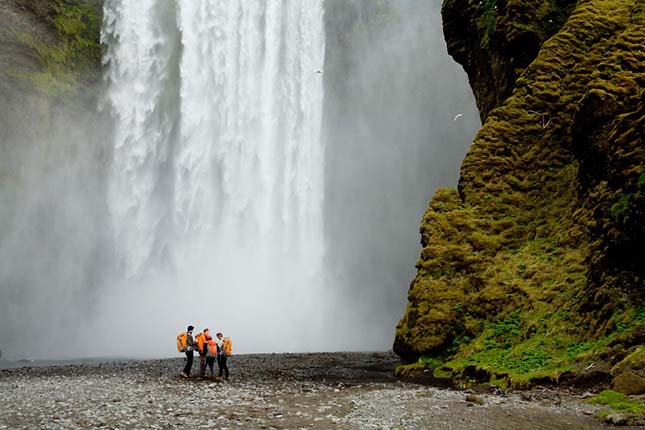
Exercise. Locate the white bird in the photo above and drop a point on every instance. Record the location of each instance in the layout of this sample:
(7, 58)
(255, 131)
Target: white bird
(459, 115)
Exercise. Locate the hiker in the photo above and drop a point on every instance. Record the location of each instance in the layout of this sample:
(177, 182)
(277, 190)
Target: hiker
(201, 346)
(186, 343)
(224, 347)
(211, 353)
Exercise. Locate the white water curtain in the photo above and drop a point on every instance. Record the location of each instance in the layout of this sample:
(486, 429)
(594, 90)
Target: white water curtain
(217, 172)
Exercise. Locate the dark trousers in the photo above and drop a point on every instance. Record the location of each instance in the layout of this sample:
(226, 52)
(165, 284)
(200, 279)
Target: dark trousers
(221, 363)
(189, 362)
(202, 365)
(210, 362)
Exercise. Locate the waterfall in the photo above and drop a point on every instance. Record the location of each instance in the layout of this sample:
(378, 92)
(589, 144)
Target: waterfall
(217, 171)
(250, 160)
(141, 53)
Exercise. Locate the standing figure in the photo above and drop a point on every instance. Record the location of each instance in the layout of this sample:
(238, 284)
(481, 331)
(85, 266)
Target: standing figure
(211, 353)
(224, 348)
(201, 346)
(189, 345)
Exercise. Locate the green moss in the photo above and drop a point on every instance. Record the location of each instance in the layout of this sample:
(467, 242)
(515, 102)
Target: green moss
(78, 24)
(487, 21)
(422, 366)
(444, 372)
(517, 274)
(620, 210)
(634, 361)
(507, 329)
(405, 370)
(55, 86)
(500, 381)
(617, 402)
(52, 56)
(71, 61)
(55, 79)
(641, 181)
(430, 362)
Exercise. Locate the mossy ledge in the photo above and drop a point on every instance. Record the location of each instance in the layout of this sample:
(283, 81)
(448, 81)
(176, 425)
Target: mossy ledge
(532, 271)
(67, 50)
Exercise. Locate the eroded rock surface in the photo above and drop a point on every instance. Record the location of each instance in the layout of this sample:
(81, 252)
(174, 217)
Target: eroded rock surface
(533, 266)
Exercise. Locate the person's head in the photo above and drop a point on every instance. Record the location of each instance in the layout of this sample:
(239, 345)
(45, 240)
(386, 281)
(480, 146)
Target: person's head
(219, 335)
(190, 329)
(206, 331)
(209, 337)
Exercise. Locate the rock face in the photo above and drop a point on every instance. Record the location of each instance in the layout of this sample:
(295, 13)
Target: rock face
(533, 264)
(495, 41)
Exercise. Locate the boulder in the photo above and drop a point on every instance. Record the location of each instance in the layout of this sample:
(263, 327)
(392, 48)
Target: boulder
(629, 374)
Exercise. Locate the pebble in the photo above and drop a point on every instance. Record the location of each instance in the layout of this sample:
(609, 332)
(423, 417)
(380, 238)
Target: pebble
(273, 391)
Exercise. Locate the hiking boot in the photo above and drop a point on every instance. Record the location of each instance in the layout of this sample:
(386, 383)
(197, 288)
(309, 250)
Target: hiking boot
(184, 375)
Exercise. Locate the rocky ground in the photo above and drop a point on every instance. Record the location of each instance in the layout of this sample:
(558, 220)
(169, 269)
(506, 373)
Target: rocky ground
(272, 391)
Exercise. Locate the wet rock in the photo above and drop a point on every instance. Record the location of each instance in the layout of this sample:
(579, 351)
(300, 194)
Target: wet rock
(629, 374)
(617, 419)
(629, 383)
(471, 398)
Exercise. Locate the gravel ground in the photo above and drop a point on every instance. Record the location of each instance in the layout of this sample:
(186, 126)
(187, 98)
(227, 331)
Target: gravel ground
(271, 391)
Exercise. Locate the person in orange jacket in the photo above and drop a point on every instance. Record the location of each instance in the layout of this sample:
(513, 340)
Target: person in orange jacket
(201, 346)
(224, 348)
(211, 353)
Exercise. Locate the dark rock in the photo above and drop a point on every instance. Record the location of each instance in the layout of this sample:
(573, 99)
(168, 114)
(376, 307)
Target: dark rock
(617, 419)
(471, 398)
(495, 44)
(629, 383)
(597, 377)
(629, 374)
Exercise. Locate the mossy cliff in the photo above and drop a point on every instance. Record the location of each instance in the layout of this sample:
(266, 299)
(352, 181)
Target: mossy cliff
(50, 63)
(51, 46)
(533, 270)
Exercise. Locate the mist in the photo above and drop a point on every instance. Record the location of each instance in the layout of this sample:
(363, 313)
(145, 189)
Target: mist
(54, 236)
(284, 215)
(397, 126)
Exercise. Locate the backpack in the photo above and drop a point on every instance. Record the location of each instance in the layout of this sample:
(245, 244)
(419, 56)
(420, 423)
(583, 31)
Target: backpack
(211, 348)
(227, 345)
(201, 340)
(182, 342)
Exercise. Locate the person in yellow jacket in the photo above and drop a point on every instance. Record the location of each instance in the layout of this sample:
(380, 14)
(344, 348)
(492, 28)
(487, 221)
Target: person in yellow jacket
(224, 349)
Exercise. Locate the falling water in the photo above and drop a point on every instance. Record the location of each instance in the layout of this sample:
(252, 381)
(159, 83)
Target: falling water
(142, 94)
(217, 172)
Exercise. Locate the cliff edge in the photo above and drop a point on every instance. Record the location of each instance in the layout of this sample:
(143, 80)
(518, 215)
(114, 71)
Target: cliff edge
(532, 270)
